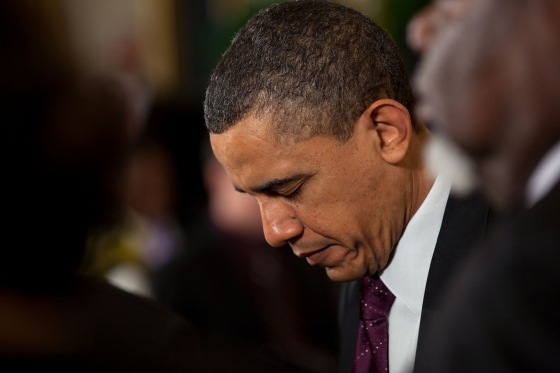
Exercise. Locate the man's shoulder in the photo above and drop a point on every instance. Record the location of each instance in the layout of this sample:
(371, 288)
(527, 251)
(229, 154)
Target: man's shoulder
(466, 215)
(516, 272)
(134, 332)
(91, 326)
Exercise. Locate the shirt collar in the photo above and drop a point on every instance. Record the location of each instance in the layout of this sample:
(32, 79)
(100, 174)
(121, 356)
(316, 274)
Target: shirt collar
(544, 177)
(407, 273)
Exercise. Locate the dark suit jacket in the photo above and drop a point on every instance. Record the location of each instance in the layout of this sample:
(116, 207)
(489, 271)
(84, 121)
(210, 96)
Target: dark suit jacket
(93, 327)
(464, 223)
(502, 313)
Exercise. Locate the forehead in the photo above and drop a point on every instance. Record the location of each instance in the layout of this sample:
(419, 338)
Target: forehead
(243, 141)
(252, 154)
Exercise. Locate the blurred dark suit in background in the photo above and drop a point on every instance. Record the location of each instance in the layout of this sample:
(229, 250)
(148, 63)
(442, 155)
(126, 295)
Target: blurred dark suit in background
(490, 83)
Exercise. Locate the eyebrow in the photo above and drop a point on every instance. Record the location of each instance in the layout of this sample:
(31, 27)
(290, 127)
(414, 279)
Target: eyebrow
(272, 184)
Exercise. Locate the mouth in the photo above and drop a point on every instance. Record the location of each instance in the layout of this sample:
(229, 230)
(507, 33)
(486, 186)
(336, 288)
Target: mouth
(315, 257)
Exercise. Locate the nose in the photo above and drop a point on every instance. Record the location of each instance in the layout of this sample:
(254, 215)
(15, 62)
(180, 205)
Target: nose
(279, 222)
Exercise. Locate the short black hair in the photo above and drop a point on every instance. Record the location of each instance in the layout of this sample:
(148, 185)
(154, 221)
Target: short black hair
(314, 66)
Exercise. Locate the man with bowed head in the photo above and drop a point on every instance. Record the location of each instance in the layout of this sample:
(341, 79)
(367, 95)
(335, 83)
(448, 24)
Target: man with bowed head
(310, 111)
(495, 94)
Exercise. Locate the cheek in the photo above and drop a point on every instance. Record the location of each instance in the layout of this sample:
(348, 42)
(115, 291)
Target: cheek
(340, 203)
(344, 218)
(330, 213)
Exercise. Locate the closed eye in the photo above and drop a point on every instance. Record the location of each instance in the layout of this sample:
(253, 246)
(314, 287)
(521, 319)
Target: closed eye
(288, 188)
(293, 192)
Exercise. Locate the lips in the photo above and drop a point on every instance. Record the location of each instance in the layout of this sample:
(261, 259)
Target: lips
(315, 257)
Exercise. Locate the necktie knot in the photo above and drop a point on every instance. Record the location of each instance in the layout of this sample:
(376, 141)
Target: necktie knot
(375, 299)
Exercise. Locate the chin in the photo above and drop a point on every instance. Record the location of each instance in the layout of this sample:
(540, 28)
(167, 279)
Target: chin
(338, 274)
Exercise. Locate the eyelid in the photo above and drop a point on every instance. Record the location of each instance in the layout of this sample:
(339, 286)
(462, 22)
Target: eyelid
(293, 191)
(294, 194)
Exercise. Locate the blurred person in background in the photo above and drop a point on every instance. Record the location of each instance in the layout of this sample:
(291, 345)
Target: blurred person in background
(64, 144)
(491, 85)
(310, 110)
(258, 309)
(149, 235)
(432, 21)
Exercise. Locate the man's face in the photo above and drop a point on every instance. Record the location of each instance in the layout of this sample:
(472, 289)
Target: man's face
(337, 204)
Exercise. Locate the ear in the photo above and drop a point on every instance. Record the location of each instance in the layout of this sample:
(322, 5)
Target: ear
(392, 125)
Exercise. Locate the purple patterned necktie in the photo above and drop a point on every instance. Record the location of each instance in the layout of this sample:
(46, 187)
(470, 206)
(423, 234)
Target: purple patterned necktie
(372, 347)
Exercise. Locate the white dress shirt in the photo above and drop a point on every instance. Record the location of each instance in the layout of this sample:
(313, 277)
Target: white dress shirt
(407, 273)
(544, 177)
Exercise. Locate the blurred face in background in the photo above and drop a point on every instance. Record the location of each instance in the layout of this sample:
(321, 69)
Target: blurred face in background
(441, 155)
(487, 84)
(150, 182)
(430, 22)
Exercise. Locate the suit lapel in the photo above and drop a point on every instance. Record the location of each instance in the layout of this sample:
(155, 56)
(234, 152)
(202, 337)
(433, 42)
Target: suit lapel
(464, 225)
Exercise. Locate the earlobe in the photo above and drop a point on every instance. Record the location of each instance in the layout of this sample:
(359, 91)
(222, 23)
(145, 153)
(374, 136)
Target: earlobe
(393, 127)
